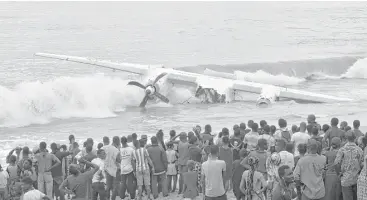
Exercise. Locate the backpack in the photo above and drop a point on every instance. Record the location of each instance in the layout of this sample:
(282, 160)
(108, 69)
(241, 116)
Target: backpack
(286, 135)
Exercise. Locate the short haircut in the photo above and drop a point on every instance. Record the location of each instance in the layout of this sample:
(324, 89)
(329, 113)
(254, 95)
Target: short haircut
(135, 136)
(356, 123)
(123, 140)
(154, 140)
(136, 143)
(225, 140)
(43, 145)
(273, 129)
(27, 180)
(193, 139)
(214, 149)
(172, 133)
(100, 145)
(282, 123)
(334, 121)
(106, 139)
(281, 170)
(302, 148)
(255, 127)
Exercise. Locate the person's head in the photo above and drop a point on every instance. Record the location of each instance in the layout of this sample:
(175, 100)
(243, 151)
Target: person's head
(263, 123)
(106, 140)
(225, 140)
(123, 141)
(242, 126)
(43, 146)
(315, 131)
(160, 135)
(190, 165)
(169, 145)
(334, 121)
(101, 154)
(134, 136)
(282, 123)
(63, 148)
(100, 145)
(26, 151)
(71, 139)
(225, 131)
(302, 149)
(90, 142)
(116, 141)
(253, 162)
(172, 133)
(312, 146)
(294, 128)
(280, 145)
(335, 142)
(309, 128)
(18, 150)
(220, 134)
(53, 147)
(249, 123)
(343, 124)
(154, 140)
(364, 141)
(208, 128)
(302, 127)
(142, 143)
(266, 129)
(350, 136)
(27, 164)
(183, 137)
(286, 174)
(197, 129)
(27, 183)
(237, 130)
(255, 127)
(262, 144)
(89, 148)
(193, 140)
(75, 145)
(311, 119)
(273, 129)
(325, 128)
(289, 147)
(347, 128)
(214, 150)
(12, 159)
(144, 138)
(74, 169)
(243, 153)
(136, 144)
(356, 124)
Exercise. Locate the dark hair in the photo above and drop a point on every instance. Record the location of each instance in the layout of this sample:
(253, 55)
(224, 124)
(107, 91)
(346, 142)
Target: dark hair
(255, 127)
(116, 140)
(356, 123)
(169, 144)
(106, 140)
(26, 150)
(214, 149)
(294, 128)
(135, 136)
(242, 126)
(99, 146)
(281, 170)
(53, 146)
(266, 129)
(99, 151)
(61, 147)
(289, 147)
(193, 140)
(123, 140)
(136, 143)
(282, 123)
(315, 131)
(208, 127)
(27, 180)
(220, 134)
(302, 148)
(71, 137)
(334, 121)
(225, 140)
(154, 140)
(263, 123)
(273, 129)
(43, 145)
(12, 159)
(250, 122)
(172, 133)
(142, 143)
(347, 128)
(309, 128)
(325, 127)
(75, 144)
(225, 131)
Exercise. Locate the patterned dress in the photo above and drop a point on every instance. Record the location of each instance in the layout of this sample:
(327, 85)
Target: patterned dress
(362, 182)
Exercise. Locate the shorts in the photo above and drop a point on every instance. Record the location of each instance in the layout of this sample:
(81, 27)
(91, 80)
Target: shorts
(143, 178)
(182, 169)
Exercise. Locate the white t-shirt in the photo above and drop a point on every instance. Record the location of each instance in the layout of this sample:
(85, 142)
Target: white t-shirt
(212, 169)
(4, 179)
(110, 161)
(33, 195)
(286, 159)
(126, 157)
(299, 138)
(97, 177)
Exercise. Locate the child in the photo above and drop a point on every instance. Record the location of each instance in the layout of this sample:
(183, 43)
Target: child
(171, 169)
(190, 179)
(238, 170)
(3, 183)
(253, 183)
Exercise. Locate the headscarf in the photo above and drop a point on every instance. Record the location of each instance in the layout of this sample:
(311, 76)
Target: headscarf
(253, 162)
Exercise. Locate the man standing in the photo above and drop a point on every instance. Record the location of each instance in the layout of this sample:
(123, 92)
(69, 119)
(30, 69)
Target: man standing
(252, 137)
(334, 131)
(309, 172)
(44, 162)
(183, 157)
(213, 171)
(285, 157)
(351, 158)
(160, 163)
(127, 171)
(300, 137)
(110, 165)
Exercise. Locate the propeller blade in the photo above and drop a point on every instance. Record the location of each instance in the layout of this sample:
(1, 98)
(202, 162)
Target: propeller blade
(161, 97)
(144, 101)
(136, 84)
(159, 77)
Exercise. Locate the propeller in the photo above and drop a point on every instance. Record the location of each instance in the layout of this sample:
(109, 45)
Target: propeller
(151, 90)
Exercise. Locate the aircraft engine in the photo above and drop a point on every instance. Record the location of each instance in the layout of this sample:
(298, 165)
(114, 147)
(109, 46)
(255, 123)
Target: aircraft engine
(268, 96)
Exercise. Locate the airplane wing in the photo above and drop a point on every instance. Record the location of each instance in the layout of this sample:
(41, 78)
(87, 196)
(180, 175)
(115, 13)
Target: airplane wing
(193, 79)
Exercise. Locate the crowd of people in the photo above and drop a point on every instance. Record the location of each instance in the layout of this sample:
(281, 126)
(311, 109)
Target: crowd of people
(306, 162)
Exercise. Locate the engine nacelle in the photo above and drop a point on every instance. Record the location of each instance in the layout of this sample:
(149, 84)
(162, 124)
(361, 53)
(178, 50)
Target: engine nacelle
(150, 90)
(268, 96)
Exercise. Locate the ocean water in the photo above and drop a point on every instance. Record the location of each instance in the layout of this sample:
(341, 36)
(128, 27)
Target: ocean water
(314, 46)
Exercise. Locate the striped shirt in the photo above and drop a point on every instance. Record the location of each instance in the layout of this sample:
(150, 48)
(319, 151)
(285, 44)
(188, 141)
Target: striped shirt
(141, 158)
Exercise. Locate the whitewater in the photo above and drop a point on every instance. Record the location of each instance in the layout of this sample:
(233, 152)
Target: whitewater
(313, 46)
